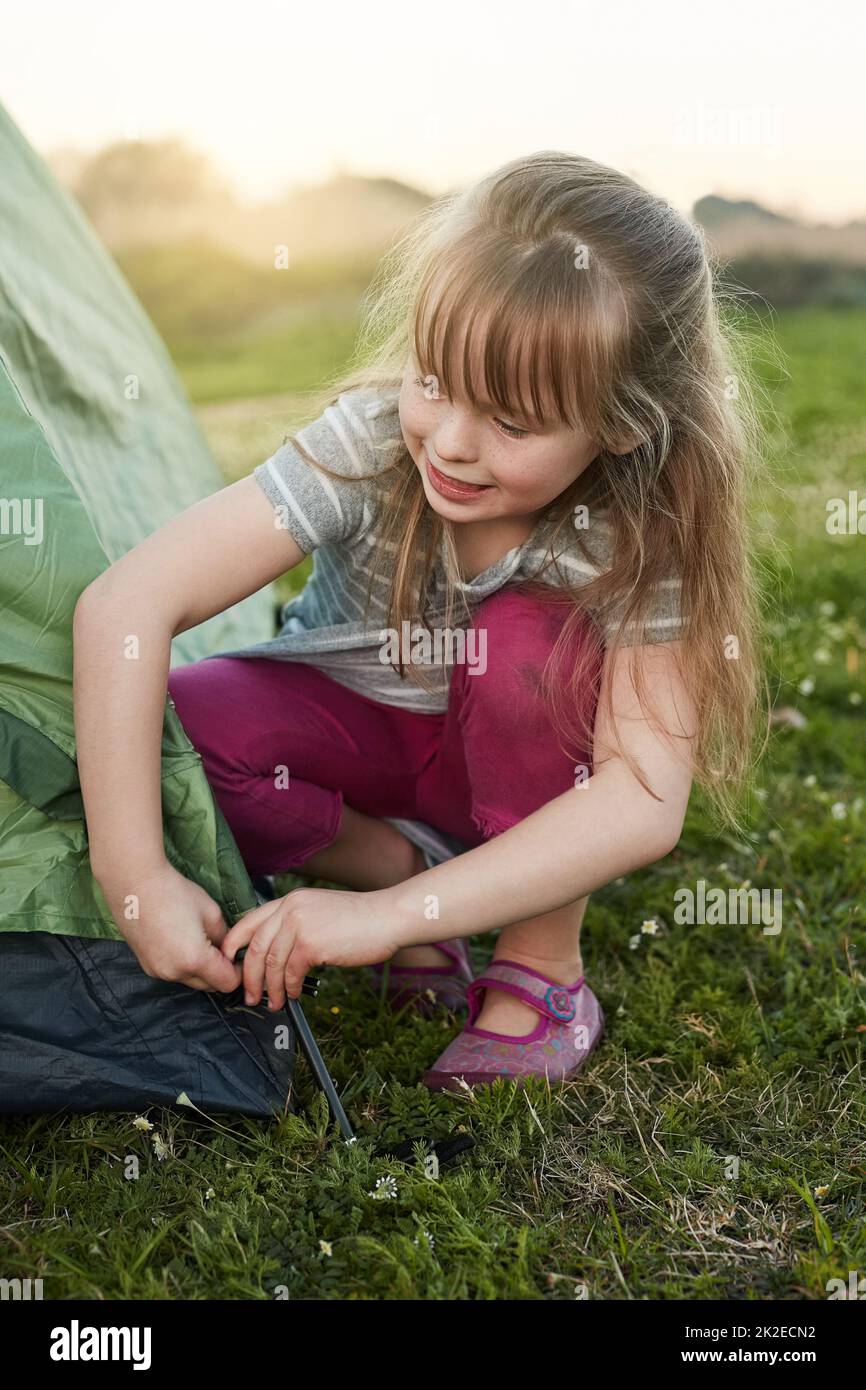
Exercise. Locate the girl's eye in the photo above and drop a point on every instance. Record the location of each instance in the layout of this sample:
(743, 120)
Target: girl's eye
(512, 431)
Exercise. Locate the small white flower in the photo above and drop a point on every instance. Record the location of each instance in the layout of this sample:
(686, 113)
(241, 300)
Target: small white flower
(838, 810)
(806, 686)
(810, 780)
(160, 1147)
(431, 1244)
(209, 1194)
(141, 1123)
(634, 941)
(855, 698)
(650, 927)
(827, 609)
(326, 1248)
(822, 656)
(385, 1188)
(822, 1190)
(431, 995)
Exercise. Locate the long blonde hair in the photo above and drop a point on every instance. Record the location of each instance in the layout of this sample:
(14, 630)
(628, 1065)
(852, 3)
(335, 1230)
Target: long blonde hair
(633, 350)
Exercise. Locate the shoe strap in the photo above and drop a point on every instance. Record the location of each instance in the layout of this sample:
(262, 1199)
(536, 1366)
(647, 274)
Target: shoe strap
(452, 950)
(548, 997)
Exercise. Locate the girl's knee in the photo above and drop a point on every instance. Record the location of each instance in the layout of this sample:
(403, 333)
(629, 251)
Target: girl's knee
(517, 629)
(191, 690)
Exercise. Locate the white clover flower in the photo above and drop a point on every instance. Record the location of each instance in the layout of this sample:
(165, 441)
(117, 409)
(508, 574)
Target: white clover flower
(838, 810)
(806, 686)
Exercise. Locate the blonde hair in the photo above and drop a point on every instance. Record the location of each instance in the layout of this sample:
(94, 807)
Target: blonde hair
(630, 348)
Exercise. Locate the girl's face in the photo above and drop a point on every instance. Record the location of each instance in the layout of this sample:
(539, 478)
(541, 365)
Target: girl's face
(475, 464)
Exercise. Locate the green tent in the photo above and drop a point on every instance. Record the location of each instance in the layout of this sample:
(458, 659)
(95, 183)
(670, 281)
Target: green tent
(98, 449)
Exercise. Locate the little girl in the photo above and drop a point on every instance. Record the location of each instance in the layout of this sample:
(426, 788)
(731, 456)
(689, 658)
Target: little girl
(529, 625)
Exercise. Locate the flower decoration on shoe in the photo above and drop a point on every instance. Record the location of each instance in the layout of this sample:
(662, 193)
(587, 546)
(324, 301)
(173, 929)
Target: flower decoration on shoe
(560, 1003)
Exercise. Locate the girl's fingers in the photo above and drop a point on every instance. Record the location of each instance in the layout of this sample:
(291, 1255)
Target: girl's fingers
(297, 967)
(243, 931)
(255, 960)
(275, 966)
(221, 974)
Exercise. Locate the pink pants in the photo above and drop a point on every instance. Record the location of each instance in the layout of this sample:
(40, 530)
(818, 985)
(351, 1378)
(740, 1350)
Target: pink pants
(490, 760)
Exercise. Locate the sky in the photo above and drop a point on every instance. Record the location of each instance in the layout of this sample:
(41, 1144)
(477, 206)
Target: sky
(760, 100)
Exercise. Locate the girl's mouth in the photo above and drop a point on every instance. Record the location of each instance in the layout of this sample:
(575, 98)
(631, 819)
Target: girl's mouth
(450, 487)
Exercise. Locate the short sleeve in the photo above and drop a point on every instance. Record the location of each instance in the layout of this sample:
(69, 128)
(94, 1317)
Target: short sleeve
(353, 436)
(664, 618)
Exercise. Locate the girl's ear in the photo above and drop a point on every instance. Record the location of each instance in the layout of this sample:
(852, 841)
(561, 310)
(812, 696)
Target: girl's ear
(626, 446)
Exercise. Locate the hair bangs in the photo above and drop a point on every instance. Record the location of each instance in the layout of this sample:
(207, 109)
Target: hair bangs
(545, 346)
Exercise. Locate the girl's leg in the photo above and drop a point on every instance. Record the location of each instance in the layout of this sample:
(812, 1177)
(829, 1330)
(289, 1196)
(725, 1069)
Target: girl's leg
(502, 731)
(285, 750)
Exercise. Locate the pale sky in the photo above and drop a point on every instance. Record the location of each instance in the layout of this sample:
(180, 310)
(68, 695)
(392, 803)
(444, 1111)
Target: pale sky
(750, 99)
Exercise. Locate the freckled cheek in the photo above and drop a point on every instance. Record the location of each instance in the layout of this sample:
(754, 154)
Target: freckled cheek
(523, 485)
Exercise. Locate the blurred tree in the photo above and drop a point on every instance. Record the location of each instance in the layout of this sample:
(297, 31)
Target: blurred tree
(134, 189)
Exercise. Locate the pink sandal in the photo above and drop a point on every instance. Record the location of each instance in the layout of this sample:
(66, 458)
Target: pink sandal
(415, 983)
(570, 1025)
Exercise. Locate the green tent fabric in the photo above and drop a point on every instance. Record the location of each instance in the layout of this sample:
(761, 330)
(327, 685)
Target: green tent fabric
(98, 447)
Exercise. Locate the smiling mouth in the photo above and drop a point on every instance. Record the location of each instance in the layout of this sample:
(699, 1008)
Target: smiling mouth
(454, 488)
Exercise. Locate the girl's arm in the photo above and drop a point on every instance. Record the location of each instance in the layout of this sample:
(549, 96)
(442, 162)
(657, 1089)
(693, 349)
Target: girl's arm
(573, 845)
(607, 827)
(198, 564)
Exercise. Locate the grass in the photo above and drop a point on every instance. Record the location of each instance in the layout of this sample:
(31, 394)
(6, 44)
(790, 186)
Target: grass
(713, 1147)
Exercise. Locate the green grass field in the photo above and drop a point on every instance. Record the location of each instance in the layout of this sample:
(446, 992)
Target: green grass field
(714, 1146)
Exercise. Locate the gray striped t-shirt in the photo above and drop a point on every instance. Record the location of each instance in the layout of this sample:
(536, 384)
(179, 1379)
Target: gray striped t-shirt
(324, 625)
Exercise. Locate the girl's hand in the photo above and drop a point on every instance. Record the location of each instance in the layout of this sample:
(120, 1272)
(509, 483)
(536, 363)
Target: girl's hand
(311, 926)
(178, 930)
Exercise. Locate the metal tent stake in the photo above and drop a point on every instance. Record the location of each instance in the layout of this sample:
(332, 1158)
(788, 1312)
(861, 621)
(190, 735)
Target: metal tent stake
(316, 1062)
(264, 887)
